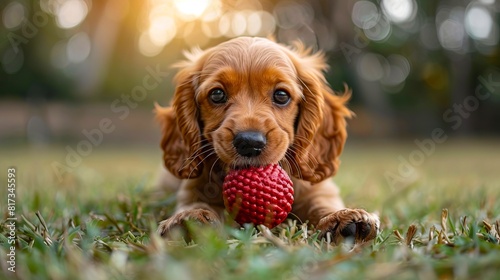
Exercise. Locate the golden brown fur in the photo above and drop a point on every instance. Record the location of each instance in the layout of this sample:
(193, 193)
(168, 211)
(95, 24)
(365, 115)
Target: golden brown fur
(306, 135)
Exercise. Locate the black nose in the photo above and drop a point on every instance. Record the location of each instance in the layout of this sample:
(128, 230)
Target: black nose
(249, 143)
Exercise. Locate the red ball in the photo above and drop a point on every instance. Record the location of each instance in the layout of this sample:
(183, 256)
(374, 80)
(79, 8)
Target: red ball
(258, 195)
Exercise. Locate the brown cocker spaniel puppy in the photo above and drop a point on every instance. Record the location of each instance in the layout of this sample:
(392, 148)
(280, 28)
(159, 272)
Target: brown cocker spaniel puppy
(251, 101)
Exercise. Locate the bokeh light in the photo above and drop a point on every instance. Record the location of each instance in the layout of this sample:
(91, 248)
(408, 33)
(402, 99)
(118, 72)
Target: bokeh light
(291, 14)
(147, 47)
(391, 72)
(212, 12)
(451, 34)
(398, 70)
(13, 15)
(225, 24)
(372, 66)
(193, 21)
(480, 25)
(161, 30)
(380, 31)
(255, 23)
(78, 47)
(450, 29)
(71, 13)
(168, 20)
(238, 24)
(400, 11)
(478, 22)
(365, 14)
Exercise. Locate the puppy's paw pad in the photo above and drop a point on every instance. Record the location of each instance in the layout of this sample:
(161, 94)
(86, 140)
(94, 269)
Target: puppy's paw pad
(355, 224)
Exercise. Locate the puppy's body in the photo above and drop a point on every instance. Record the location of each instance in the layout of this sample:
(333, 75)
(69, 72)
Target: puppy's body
(249, 102)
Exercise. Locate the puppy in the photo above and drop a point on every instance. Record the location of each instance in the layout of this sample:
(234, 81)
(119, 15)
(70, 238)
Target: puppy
(253, 102)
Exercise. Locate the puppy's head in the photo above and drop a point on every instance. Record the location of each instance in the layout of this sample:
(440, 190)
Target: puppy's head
(251, 101)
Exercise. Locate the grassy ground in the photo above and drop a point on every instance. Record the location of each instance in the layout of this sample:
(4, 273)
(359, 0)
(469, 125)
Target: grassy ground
(97, 223)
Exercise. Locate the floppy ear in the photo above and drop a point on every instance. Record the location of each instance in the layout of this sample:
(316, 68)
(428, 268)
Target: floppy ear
(181, 138)
(321, 128)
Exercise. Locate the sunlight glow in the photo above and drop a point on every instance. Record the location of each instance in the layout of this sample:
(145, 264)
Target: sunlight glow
(162, 29)
(147, 47)
(197, 21)
(191, 9)
(213, 12)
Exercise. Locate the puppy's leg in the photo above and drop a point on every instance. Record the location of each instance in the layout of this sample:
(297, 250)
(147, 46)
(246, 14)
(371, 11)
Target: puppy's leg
(322, 206)
(195, 203)
(200, 213)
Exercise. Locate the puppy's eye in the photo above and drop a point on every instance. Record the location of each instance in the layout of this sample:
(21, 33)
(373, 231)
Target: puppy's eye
(218, 96)
(281, 97)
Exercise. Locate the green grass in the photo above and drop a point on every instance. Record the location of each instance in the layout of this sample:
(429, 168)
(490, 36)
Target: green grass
(99, 222)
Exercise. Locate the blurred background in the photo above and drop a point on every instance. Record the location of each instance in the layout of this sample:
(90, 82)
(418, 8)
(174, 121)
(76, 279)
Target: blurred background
(413, 65)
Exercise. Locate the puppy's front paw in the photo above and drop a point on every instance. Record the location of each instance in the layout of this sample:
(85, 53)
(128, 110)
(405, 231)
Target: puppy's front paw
(357, 224)
(200, 216)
